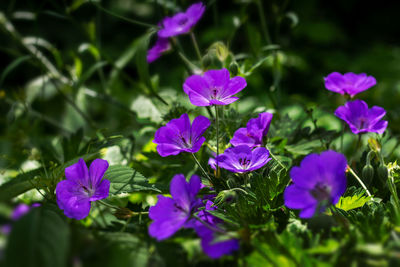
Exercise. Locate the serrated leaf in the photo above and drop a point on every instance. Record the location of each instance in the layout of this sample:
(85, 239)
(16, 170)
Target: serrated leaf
(303, 148)
(42, 236)
(352, 202)
(126, 180)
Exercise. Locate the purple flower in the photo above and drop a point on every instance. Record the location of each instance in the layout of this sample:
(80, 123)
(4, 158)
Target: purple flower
(214, 249)
(181, 22)
(170, 214)
(179, 136)
(161, 45)
(254, 132)
(213, 88)
(317, 183)
(19, 211)
(361, 119)
(348, 83)
(82, 186)
(243, 159)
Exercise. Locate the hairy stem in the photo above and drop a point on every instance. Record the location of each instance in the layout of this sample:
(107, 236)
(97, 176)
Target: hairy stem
(359, 180)
(198, 164)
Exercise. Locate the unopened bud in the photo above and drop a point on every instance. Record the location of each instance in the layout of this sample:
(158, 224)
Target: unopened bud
(368, 173)
(123, 213)
(382, 172)
(233, 68)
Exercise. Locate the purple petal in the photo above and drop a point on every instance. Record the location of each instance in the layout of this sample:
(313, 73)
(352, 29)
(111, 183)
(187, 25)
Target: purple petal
(308, 212)
(260, 157)
(102, 190)
(235, 85)
(217, 78)
(379, 127)
(161, 45)
(19, 211)
(78, 172)
(241, 137)
(298, 198)
(184, 193)
(259, 126)
(215, 250)
(223, 102)
(73, 201)
(167, 219)
(199, 126)
(97, 170)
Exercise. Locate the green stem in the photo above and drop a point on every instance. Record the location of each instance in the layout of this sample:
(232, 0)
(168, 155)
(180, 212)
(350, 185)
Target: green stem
(274, 158)
(341, 137)
(198, 164)
(359, 180)
(196, 46)
(143, 24)
(263, 22)
(217, 126)
(393, 191)
(107, 205)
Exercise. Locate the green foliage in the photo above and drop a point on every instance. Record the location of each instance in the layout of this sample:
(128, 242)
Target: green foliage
(40, 238)
(126, 180)
(352, 202)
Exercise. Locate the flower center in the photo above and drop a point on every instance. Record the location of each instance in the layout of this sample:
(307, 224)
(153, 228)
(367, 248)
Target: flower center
(321, 192)
(88, 190)
(362, 123)
(244, 162)
(183, 21)
(185, 143)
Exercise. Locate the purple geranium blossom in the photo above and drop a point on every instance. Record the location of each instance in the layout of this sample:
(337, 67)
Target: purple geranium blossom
(214, 249)
(254, 132)
(179, 136)
(213, 88)
(19, 211)
(348, 83)
(181, 22)
(318, 182)
(161, 45)
(361, 119)
(243, 159)
(81, 187)
(170, 214)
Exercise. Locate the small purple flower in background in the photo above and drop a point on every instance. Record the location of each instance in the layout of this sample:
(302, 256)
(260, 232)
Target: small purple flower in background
(361, 119)
(81, 187)
(243, 159)
(181, 22)
(161, 45)
(213, 88)
(254, 132)
(214, 249)
(348, 83)
(179, 136)
(170, 214)
(19, 211)
(317, 183)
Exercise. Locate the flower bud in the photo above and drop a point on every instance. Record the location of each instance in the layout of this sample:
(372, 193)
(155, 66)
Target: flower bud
(368, 173)
(225, 196)
(233, 68)
(382, 172)
(206, 60)
(123, 213)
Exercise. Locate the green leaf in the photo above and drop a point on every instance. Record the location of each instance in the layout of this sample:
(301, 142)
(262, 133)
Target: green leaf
(352, 202)
(12, 66)
(85, 76)
(303, 148)
(126, 180)
(40, 238)
(18, 185)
